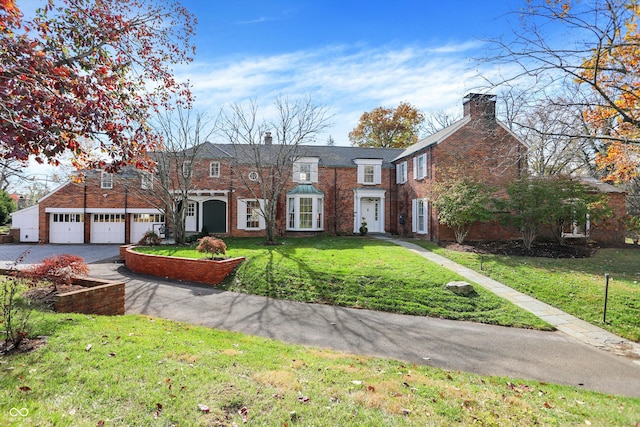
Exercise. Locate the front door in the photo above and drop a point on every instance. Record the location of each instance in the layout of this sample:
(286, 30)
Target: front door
(214, 216)
(370, 209)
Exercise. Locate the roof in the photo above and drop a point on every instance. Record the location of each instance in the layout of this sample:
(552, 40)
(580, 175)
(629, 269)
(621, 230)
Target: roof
(602, 187)
(434, 138)
(329, 156)
(304, 189)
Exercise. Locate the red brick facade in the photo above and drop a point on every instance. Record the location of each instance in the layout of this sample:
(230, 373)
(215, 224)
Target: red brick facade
(343, 187)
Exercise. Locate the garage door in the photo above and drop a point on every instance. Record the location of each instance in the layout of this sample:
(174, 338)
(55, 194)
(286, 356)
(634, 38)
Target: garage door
(141, 223)
(66, 228)
(107, 228)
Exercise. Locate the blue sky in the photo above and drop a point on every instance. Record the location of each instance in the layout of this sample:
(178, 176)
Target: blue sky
(349, 56)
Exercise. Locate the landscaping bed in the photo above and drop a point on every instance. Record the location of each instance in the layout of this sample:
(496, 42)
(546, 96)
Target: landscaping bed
(517, 248)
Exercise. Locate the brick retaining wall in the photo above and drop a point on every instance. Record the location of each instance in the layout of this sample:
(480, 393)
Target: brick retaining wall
(207, 271)
(100, 297)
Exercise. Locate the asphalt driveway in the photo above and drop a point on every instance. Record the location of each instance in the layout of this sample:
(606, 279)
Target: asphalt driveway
(35, 253)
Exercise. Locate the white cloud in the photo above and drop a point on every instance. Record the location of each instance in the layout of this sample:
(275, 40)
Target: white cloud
(347, 79)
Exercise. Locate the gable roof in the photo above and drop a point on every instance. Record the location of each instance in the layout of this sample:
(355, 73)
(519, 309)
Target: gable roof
(329, 156)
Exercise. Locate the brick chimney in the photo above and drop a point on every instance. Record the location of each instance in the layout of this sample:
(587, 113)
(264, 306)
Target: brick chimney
(480, 106)
(268, 139)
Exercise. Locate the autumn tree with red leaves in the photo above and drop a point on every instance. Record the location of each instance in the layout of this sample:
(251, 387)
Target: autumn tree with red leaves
(82, 77)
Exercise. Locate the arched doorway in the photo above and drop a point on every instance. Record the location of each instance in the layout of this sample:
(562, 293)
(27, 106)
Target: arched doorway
(214, 216)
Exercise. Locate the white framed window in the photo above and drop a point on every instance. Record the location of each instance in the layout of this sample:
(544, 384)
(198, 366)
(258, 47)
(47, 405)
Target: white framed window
(401, 172)
(305, 212)
(420, 166)
(106, 180)
(420, 219)
(146, 180)
(576, 229)
(186, 168)
(369, 171)
(214, 169)
(250, 214)
(253, 176)
(191, 209)
(305, 170)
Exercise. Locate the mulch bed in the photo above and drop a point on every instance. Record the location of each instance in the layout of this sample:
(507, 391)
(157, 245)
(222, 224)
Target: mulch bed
(516, 248)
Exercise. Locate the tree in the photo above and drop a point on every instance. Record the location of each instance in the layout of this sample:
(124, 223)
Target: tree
(7, 205)
(460, 202)
(590, 50)
(294, 124)
(439, 120)
(555, 203)
(388, 127)
(184, 134)
(84, 76)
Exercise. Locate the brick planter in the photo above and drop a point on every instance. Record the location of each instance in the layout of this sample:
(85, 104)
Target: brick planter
(104, 297)
(211, 272)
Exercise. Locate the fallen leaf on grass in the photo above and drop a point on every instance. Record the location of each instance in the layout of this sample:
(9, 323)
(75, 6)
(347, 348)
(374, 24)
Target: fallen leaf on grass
(100, 424)
(547, 405)
(112, 354)
(303, 399)
(203, 408)
(25, 388)
(88, 347)
(243, 413)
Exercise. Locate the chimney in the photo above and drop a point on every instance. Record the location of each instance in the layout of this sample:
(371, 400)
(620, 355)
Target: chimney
(268, 139)
(480, 106)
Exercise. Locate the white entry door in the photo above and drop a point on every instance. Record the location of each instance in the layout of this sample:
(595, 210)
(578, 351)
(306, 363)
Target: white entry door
(370, 211)
(107, 228)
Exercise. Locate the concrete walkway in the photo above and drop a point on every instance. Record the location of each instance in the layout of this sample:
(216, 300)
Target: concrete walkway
(570, 325)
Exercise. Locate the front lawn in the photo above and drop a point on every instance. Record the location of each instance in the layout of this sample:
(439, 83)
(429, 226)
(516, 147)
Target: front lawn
(361, 273)
(576, 286)
(140, 371)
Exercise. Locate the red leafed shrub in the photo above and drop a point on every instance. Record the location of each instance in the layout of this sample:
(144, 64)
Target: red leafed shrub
(212, 246)
(58, 269)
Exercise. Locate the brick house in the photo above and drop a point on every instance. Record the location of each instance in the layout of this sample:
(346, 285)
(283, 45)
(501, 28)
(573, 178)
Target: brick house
(329, 189)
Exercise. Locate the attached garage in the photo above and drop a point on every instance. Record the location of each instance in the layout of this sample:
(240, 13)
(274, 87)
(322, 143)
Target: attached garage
(143, 222)
(107, 227)
(66, 227)
(27, 221)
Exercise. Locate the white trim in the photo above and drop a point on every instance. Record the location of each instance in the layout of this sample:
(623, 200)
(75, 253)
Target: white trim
(372, 193)
(242, 215)
(144, 211)
(64, 210)
(214, 175)
(106, 210)
(313, 172)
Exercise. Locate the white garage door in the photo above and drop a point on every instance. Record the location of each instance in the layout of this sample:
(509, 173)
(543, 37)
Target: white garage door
(66, 228)
(107, 228)
(143, 222)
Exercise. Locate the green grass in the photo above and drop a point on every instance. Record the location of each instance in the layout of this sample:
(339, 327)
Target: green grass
(141, 371)
(576, 286)
(361, 273)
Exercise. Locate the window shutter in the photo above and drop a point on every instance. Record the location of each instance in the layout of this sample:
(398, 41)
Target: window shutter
(415, 168)
(414, 214)
(399, 173)
(314, 172)
(262, 223)
(360, 174)
(296, 172)
(377, 174)
(242, 214)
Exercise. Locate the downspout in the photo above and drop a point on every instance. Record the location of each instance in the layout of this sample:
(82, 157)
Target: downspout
(230, 219)
(126, 222)
(335, 200)
(84, 212)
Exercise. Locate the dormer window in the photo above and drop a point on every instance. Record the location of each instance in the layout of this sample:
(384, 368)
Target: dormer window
(305, 170)
(214, 169)
(369, 171)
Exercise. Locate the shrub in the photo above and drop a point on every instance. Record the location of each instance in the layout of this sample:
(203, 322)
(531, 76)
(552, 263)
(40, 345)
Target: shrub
(632, 226)
(150, 238)
(212, 246)
(58, 269)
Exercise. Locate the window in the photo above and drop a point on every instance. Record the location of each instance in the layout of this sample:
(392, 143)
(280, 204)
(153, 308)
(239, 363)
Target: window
(68, 217)
(401, 173)
(191, 209)
(305, 213)
(146, 180)
(420, 216)
(369, 171)
(106, 180)
(253, 176)
(214, 169)
(253, 214)
(368, 174)
(250, 214)
(186, 168)
(108, 217)
(148, 218)
(420, 166)
(305, 170)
